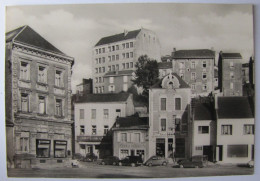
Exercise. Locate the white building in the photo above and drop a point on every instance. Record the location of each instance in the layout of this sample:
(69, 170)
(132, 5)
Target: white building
(235, 130)
(121, 52)
(95, 115)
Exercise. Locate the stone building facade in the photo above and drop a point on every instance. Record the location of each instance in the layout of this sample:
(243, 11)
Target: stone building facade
(121, 52)
(230, 74)
(196, 67)
(38, 95)
(169, 115)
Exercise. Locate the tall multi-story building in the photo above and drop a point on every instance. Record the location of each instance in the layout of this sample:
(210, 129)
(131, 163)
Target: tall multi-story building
(196, 67)
(230, 74)
(120, 52)
(169, 118)
(95, 115)
(86, 87)
(38, 95)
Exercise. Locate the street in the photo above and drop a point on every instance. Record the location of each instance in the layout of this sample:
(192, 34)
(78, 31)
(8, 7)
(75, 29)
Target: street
(107, 171)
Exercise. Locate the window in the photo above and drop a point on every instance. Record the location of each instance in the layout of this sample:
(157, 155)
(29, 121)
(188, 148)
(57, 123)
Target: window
(81, 114)
(117, 67)
(204, 64)
(118, 112)
(123, 45)
(177, 124)
(198, 148)
(125, 87)
(117, 57)
(25, 71)
(127, 45)
(131, 64)
(226, 129)
(163, 124)
(99, 60)
(204, 75)
(99, 50)
(193, 87)
(24, 142)
(113, 48)
(123, 65)
(99, 80)
(127, 65)
(103, 59)
(123, 54)
(94, 129)
(131, 44)
(237, 150)
(58, 78)
(96, 51)
(124, 137)
(131, 54)
(96, 70)
(163, 104)
(60, 149)
(181, 65)
(99, 69)
(231, 85)
(231, 64)
(43, 148)
(113, 57)
(117, 47)
(96, 79)
(111, 80)
(109, 58)
(177, 103)
(124, 153)
(105, 129)
(103, 69)
(109, 68)
(113, 68)
(58, 110)
(96, 89)
(103, 50)
(42, 105)
(193, 75)
(193, 65)
(42, 74)
(232, 75)
(137, 137)
(109, 49)
(93, 113)
(125, 78)
(103, 89)
(24, 102)
(111, 88)
(203, 129)
(249, 129)
(106, 114)
(82, 129)
(204, 87)
(127, 55)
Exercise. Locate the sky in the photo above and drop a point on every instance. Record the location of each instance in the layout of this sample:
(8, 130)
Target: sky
(75, 29)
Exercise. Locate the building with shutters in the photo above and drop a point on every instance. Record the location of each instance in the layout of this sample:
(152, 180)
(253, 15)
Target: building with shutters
(196, 68)
(95, 115)
(169, 115)
(120, 52)
(130, 137)
(38, 101)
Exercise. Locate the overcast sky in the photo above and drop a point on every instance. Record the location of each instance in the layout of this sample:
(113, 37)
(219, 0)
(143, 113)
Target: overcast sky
(75, 29)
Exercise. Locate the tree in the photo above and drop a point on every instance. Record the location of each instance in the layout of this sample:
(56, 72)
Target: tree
(146, 73)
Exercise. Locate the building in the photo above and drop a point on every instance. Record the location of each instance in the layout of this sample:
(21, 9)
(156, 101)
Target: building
(169, 115)
(130, 137)
(86, 87)
(252, 71)
(245, 73)
(38, 94)
(95, 115)
(164, 68)
(215, 78)
(196, 67)
(117, 81)
(230, 74)
(235, 130)
(120, 52)
(166, 58)
(204, 128)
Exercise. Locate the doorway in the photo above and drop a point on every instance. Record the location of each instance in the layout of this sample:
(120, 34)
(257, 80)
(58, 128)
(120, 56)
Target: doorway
(208, 150)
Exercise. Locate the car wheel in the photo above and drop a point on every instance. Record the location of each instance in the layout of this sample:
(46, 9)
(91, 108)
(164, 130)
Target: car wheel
(150, 164)
(164, 163)
(114, 163)
(120, 163)
(181, 166)
(103, 163)
(132, 164)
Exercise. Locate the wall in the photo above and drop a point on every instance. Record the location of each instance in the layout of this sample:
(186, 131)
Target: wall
(118, 83)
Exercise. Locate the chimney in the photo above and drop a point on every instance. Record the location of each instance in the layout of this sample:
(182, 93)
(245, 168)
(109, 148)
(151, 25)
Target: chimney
(173, 52)
(125, 32)
(174, 49)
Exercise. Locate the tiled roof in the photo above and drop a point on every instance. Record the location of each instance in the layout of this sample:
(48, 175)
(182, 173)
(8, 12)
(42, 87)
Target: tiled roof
(116, 73)
(111, 97)
(231, 55)
(118, 37)
(199, 53)
(132, 122)
(204, 109)
(26, 35)
(183, 84)
(164, 65)
(234, 107)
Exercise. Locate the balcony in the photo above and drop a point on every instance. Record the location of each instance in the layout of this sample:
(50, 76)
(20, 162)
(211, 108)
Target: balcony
(42, 87)
(24, 84)
(59, 90)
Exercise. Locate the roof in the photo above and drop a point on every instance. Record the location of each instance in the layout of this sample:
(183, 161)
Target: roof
(234, 107)
(183, 84)
(231, 55)
(199, 53)
(116, 73)
(204, 109)
(132, 122)
(118, 37)
(110, 97)
(164, 65)
(26, 35)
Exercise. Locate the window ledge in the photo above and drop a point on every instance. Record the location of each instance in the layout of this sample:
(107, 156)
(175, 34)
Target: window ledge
(44, 115)
(42, 83)
(56, 116)
(24, 80)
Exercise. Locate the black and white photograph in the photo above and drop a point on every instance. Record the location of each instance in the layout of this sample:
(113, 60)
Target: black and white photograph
(129, 90)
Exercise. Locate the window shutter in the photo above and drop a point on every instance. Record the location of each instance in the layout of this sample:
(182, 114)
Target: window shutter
(118, 137)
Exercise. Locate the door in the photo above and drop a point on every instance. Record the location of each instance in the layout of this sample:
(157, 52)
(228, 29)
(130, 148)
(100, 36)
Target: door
(160, 147)
(132, 152)
(220, 154)
(208, 150)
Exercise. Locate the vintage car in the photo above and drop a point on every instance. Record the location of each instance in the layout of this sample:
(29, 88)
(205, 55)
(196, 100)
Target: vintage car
(156, 160)
(131, 160)
(111, 160)
(90, 157)
(198, 161)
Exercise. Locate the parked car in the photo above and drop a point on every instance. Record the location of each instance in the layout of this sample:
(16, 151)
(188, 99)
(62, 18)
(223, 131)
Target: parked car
(198, 161)
(156, 160)
(251, 164)
(111, 160)
(131, 160)
(90, 157)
